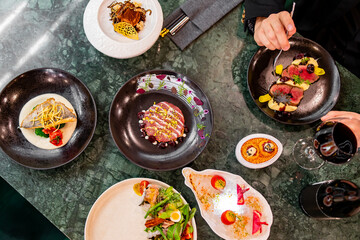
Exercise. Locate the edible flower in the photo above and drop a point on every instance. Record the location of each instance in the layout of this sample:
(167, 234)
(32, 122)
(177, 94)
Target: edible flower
(256, 222)
(240, 194)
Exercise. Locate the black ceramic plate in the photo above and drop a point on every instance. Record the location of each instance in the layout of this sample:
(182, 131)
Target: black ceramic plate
(29, 85)
(140, 93)
(319, 99)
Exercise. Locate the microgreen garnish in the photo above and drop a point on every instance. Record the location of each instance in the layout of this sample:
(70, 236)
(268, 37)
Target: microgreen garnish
(200, 126)
(297, 79)
(304, 60)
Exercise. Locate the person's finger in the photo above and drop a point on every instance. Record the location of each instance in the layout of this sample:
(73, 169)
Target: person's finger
(270, 34)
(334, 114)
(280, 34)
(329, 115)
(287, 22)
(265, 42)
(257, 38)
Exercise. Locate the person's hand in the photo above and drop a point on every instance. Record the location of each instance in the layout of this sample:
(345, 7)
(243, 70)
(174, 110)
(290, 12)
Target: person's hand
(271, 31)
(352, 124)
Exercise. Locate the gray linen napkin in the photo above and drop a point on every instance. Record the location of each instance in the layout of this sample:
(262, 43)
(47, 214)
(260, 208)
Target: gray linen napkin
(203, 14)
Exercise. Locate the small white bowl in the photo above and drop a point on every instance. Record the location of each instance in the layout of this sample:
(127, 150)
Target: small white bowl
(257, 165)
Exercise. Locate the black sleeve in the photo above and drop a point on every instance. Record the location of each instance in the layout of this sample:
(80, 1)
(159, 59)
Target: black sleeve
(262, 8)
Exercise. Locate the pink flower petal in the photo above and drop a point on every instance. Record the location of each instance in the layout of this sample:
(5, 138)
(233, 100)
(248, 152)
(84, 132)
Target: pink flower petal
(161, 76)
(140, 90)
(198, 101)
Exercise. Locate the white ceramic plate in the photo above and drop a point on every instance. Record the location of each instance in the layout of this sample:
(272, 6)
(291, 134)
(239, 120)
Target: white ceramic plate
(100, 32)
(227, 200)
(257, 165)
(116, 214)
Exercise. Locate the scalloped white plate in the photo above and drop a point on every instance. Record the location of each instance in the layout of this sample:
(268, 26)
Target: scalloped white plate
(100, 32)
(227, 200)
(116, 214)
(257, 165)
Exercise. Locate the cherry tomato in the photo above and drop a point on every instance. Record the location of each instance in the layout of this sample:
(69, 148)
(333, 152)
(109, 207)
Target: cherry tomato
(143, 186)
(228, 217)
(56, 137)
(48, 130)
(186, 233)
(218, 182)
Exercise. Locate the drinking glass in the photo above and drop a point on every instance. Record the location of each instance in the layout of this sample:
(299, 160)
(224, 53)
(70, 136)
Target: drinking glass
(334, 142)
(331, 199)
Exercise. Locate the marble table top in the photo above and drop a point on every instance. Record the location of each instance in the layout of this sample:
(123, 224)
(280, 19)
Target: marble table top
(41, 33)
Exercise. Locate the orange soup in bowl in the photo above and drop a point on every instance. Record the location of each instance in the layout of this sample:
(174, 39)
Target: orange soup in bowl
(258, 150)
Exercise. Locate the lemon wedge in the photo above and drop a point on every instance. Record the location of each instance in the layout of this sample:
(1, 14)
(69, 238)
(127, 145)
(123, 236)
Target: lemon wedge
(127, 30)
(264, 98)
(136, 189)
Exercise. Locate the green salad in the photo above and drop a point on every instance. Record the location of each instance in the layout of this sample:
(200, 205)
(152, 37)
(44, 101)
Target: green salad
(167, 216)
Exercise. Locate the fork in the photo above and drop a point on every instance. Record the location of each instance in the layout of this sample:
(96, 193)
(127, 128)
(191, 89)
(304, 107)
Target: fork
(287, 33)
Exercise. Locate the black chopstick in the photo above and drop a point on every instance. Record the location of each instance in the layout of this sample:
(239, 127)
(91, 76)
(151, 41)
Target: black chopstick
(172, 24)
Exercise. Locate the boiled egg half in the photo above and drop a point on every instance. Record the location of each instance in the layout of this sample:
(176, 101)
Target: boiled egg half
(175, 216)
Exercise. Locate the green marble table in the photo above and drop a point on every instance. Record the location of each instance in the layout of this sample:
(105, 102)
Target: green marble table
(43, 33)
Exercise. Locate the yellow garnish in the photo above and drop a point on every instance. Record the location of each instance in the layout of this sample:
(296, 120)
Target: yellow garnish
(313, 62)
(127, 30)
(319, 71)
(279, 69)
(296, 62)
(136, 189)
(50, 116)
(264, 98)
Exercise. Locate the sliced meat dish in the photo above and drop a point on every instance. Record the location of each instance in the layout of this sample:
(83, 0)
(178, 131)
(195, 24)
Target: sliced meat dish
(164, 121)
(286, 94)
(299, 70)
(48, 114)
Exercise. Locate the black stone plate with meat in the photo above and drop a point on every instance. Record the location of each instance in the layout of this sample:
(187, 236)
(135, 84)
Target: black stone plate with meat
(140, 93)
(318, 100)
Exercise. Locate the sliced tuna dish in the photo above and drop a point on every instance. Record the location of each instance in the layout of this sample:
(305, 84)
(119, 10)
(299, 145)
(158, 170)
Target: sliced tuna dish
(164, 121)
(286, 94)
(301, 71)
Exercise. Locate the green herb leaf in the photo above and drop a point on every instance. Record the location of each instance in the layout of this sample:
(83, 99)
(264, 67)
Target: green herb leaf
(297, 79)
(166, 214)
(191, 229)
(39, 132)
(304, 60)
(161, 232)
(170, 232)
(177, 231)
